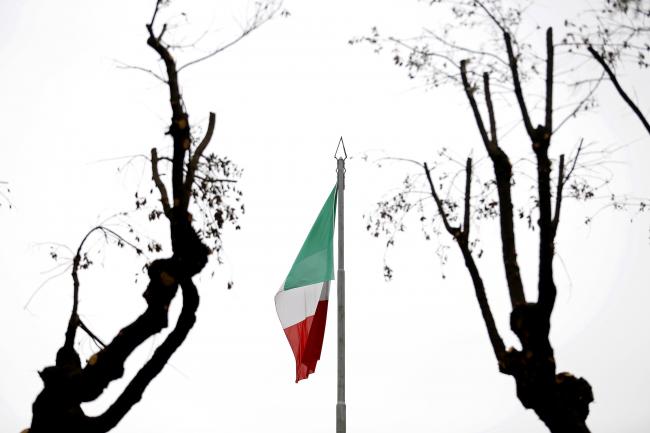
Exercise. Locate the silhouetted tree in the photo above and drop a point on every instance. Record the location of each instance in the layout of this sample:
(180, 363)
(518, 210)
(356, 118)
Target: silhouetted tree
(477, 49)
(560, 399)
(195, 176)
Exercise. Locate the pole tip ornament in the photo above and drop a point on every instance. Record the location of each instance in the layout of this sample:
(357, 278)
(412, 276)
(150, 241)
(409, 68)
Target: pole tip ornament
(342, 154)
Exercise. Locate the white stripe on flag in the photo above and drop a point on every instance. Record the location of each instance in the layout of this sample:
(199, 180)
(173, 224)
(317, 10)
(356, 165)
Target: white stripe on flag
(295, 305)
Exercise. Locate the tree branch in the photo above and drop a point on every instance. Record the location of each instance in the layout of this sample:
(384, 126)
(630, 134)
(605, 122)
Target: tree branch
(479, 288)
(164, 198)
(618, 87)
(493, 333)
(549, 80)
(454, 231)
(210, 179)
(263, 14)
(503, 175)
(73, 322)
(558, 195)
(492, 17)
(512, 60)
(466, 213)
(490, 107)
(194, 162)
(575, 161)
(180, 127)
(134, 390)
(217, 50)
(155, 12)
(541, 138)
(469, 91)
(95, 338)
(172, 74)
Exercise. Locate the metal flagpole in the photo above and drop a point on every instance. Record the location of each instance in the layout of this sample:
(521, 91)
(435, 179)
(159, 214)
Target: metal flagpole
(340, 294)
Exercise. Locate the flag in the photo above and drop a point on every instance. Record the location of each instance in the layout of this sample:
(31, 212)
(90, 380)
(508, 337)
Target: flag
(301, 302)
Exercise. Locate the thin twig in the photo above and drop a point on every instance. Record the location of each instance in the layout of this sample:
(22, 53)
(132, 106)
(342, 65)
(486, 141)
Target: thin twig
(95, 338)
(581, 104)
(492, 17)
(155, 12)
(217, 50)
(213, 179)
(465, 49)
(122, 65)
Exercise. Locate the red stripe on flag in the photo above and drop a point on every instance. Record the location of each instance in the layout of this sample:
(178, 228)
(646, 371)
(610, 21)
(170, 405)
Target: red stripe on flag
(306, 340)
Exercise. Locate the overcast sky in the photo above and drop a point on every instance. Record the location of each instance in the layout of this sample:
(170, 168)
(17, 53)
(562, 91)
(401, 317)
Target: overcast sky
(418, 356)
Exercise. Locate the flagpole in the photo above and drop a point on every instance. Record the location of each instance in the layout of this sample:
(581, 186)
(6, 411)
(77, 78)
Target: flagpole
(340, 295)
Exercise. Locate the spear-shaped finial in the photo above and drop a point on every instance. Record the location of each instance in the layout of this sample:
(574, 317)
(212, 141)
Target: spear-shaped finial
(342, 154)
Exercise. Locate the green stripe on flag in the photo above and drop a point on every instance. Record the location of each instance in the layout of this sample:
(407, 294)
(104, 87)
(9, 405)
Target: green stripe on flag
(315, 261)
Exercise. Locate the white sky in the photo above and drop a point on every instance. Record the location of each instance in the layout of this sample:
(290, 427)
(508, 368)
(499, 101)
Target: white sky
(418, 357)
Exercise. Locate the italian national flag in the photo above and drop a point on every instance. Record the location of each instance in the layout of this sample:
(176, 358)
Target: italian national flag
(301, 302)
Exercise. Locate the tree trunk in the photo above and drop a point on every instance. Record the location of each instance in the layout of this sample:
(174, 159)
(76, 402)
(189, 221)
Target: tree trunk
(560, 400)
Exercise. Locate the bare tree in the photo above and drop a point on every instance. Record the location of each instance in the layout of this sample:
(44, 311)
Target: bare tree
(486, 50)
(560, 399)
(194, 177)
